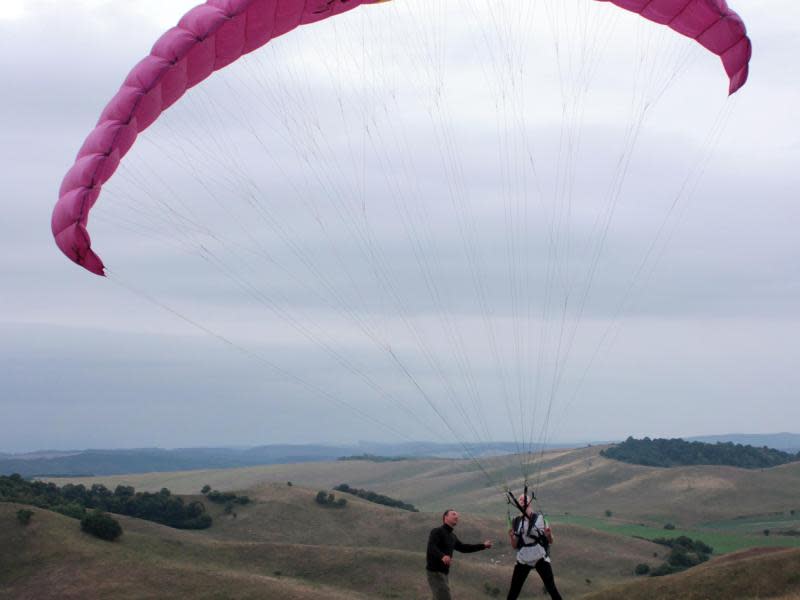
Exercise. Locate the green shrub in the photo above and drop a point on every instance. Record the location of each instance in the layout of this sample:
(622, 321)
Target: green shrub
(24, 516)
(101, 525)
(72, 510)
(642, 569)
(669, 526)
(375, 497)
(326, 499)
(664, 569)
(609, 513)
(206, 489)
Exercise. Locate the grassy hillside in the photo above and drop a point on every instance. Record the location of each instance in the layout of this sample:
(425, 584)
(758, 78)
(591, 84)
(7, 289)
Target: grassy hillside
(284, 546)
(579, 482)
(746, 575)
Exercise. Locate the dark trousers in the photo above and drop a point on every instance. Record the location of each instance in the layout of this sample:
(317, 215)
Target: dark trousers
(521, 574)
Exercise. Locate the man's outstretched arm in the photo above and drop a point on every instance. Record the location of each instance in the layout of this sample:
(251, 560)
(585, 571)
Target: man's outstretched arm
(467, 548)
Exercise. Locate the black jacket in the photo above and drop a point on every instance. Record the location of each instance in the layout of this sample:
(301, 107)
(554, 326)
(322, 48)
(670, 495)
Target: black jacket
(442, 541)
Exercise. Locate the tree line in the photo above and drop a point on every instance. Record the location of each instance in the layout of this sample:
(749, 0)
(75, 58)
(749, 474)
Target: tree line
(75, 500)
(676, 452)
(375, 497)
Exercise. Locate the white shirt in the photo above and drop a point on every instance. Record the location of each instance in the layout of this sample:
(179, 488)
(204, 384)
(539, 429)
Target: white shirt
(530, 555)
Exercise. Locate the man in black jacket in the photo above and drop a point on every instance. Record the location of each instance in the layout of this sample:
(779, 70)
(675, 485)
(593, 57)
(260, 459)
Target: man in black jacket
(441, 543)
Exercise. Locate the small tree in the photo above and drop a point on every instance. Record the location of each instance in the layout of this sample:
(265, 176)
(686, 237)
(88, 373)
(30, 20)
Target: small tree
(609, 513)
(766, 532)
(24, 516)
(206, 489)
(101, 525)
(289, 483)
(642, 569)
(669, 526)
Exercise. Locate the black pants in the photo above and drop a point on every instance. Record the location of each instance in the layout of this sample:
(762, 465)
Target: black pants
(521, 574)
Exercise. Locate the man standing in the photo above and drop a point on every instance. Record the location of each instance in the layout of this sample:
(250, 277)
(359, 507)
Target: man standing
(531, 538)
(441, 543)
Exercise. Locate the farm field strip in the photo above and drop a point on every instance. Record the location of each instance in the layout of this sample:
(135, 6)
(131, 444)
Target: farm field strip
(722, 542)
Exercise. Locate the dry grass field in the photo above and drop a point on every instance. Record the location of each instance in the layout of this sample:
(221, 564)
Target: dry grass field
(748, 575)
(285, 545)
(578, 481)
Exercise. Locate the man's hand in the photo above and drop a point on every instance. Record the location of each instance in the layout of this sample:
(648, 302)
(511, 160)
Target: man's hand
(487, 544)
(447, 560)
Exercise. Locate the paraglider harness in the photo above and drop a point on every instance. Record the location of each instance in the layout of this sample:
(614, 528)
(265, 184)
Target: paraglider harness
(517, 525)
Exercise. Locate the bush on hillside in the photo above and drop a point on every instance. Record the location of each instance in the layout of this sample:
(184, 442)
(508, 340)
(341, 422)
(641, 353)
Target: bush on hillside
(373, 458)
(375, 497)
(684, 553)
(101, 525)
(24, 516)
(669, 526)
(329, 500)
(72, 510)
(226, 497)
(664, 569)
(205, 489)
(642, 569)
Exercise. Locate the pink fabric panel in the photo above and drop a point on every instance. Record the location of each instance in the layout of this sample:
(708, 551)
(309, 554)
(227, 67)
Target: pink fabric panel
(260, 24)
(231, 8)
(230, 41)
(174, 84)
(174, 44)
(88, 171)
(72, 209)
(287, 16)
(710, 22)
(697, 17)
(121, 105)
(110, 137)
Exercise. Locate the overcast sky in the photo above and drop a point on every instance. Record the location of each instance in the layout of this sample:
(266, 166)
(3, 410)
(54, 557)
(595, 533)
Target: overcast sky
(288, 265)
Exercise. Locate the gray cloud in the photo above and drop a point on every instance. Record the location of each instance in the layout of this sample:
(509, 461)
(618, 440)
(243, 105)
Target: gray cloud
(711, 324)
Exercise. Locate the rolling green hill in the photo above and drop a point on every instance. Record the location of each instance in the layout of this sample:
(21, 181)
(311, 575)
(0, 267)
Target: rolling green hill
(578, 482)
(283, 546)
(749, 575)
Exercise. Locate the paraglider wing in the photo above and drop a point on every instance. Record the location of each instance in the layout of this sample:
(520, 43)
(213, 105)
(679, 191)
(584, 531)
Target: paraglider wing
(207, 38)
(215, 34)
(710, 22)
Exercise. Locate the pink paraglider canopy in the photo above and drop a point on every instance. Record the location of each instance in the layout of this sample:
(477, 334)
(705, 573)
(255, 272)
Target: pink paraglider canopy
(710, 22)
(215, 34)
